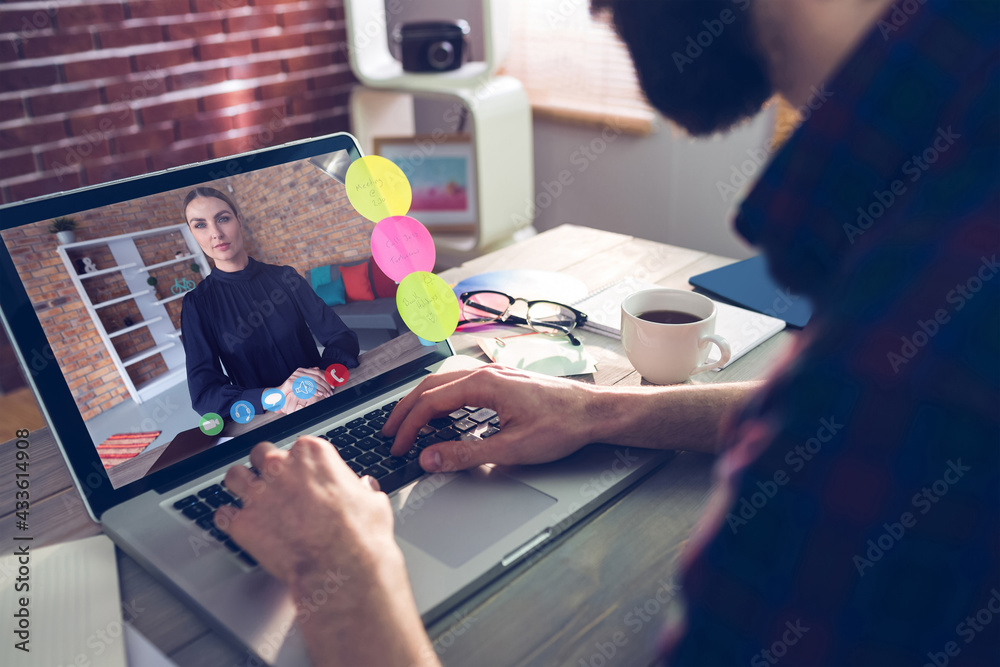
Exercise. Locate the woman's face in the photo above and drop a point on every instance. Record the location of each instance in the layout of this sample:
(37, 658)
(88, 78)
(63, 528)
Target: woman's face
(217, 230)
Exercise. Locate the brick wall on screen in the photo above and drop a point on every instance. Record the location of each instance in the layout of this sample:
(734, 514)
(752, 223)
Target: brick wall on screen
(72, 335)
(96, 90)
(293, 215)
(311, 223)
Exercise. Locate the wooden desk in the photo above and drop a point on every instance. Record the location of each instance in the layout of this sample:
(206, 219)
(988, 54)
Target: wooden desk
(607, 584)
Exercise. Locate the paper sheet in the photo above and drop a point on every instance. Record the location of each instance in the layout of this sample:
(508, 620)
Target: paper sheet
(743, 329)
(74, 610)
(539, 353)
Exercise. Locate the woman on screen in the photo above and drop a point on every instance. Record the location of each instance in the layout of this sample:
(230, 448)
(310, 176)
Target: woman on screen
(250, 326)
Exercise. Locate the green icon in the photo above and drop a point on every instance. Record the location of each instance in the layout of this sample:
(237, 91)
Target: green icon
(211, 424)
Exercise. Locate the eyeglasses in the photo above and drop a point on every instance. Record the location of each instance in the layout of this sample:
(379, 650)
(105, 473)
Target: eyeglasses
(547, 317)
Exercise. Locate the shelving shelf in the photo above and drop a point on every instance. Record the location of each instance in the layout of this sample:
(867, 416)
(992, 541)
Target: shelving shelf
(94, 274)
(152, 388)
(146, 354)
(146, 269)
(121, 299)
(134, 327)
(170, 298)
(154, 316)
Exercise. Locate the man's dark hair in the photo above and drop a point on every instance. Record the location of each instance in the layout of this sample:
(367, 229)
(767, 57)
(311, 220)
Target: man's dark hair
(703, 82)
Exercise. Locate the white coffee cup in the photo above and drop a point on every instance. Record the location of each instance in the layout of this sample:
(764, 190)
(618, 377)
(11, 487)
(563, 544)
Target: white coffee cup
(670, 353)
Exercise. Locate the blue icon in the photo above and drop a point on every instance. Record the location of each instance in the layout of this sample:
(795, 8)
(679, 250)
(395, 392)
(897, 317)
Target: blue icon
(272, 399)
(304, 388)
(242, 412)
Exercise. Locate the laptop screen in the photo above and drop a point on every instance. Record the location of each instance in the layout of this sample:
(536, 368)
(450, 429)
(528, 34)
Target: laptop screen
(242, 305)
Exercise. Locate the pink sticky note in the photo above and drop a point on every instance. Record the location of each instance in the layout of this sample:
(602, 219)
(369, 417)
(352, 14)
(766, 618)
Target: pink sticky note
(402, 245)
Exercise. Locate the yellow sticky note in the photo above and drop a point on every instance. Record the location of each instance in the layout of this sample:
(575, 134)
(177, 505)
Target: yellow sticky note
(377, 188)
(427, 305)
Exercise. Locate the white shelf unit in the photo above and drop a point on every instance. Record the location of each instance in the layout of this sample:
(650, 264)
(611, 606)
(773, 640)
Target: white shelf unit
(499, 121)
(374, 65)
(166, 339)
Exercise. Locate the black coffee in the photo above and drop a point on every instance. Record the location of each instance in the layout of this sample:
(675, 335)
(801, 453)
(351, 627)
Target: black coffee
(669, 317)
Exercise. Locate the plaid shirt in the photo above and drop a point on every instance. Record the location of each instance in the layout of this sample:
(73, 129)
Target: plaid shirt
(855, 520)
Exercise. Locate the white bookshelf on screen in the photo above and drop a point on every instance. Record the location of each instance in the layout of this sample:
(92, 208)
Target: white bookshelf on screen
(155, 318)
(498, 120)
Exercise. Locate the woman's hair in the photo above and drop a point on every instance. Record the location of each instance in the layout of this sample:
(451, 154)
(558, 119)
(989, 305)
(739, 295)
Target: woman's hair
(209, 192)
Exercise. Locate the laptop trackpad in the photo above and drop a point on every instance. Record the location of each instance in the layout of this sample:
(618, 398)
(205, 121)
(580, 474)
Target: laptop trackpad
(475, 509)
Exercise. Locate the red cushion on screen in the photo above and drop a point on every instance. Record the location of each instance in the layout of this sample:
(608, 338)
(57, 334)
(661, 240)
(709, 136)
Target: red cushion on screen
(356, 282)
(385, 287)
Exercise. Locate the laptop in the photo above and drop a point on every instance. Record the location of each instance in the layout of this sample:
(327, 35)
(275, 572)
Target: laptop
(96, 323)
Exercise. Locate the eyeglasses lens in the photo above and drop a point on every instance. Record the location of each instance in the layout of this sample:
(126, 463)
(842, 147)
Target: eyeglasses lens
(485, 307)
(551, 318)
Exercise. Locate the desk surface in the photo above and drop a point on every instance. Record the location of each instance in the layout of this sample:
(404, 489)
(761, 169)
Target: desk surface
(610, 581)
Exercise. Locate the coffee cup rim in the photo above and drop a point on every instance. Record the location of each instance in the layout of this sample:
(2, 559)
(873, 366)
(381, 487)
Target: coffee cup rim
(674, 290)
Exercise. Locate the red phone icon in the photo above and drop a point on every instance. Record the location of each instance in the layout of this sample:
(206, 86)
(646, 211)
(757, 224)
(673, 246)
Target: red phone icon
(337, 374)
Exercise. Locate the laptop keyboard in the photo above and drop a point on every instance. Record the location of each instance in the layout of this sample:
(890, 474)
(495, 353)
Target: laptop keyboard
(365, 450)
(361, 444)
(200, 507)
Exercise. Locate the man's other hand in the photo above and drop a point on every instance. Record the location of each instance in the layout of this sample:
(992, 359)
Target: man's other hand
(542, 418)
(314, 525)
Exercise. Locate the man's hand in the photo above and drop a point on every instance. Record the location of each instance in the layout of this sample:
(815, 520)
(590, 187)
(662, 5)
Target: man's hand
(542, 418)
(313, 524)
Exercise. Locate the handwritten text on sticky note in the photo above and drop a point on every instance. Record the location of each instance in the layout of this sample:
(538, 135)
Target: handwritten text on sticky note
(427, 305)
(377, 188)
(402, 245)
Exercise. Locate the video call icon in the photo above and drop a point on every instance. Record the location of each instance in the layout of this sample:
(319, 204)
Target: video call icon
(303, 388)
(272, 399)
(242, 412)
(336, 375)
(211, 424)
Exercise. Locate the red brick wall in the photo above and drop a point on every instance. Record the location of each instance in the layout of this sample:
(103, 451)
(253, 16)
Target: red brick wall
(72, 335)
(311, 223)
(96, 90)
(293, 214)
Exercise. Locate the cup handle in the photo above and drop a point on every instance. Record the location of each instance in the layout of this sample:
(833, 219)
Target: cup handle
(723, 348)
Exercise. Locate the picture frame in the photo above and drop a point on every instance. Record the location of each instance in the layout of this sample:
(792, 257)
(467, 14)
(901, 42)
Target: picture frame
(442, 174)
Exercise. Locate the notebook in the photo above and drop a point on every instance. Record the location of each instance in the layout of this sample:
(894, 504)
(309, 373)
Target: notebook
(109, 347)
(743, 329)
(748, 283)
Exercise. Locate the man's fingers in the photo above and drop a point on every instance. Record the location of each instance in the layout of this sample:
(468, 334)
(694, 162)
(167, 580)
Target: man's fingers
(264, 454)
(406, 403)
(238, 480)
(462, 454)
(223, 517)
(440, 397)
(269, 462)
(316, 452)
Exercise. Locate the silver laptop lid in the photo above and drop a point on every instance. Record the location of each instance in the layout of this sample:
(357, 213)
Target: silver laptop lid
(97, 322)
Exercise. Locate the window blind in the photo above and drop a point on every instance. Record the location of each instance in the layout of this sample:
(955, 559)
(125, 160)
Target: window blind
(574, 67)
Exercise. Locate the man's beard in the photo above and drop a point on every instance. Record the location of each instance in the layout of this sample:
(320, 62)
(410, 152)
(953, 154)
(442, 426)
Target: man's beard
(697, 60)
